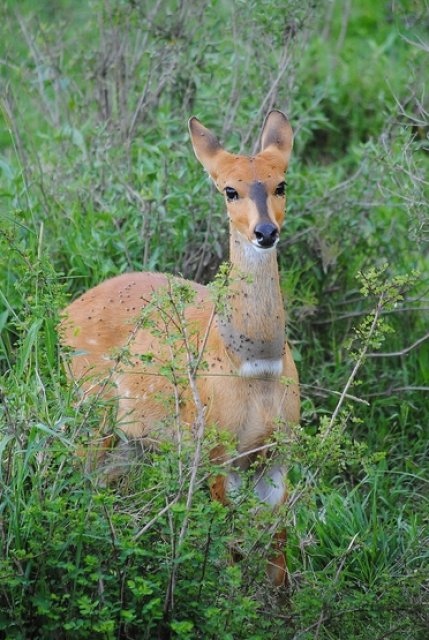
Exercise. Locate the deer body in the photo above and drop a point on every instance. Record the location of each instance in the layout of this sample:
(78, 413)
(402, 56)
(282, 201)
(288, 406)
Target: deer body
(245, 352)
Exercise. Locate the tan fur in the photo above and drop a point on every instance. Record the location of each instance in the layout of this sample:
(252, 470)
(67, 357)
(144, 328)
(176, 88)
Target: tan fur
(104, 320)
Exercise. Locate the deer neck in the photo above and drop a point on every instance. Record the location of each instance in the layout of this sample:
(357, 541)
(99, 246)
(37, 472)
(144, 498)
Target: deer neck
(253, 324)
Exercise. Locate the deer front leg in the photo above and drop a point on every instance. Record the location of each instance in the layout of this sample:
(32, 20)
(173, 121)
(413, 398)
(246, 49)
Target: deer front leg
(270, 488)
(224, 487)
(269, 485)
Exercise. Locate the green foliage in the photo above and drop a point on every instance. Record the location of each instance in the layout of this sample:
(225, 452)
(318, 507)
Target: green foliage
(97, 177)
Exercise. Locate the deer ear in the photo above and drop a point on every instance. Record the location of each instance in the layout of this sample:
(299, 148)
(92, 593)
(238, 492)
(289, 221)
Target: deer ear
(206, 145)
(277, 135)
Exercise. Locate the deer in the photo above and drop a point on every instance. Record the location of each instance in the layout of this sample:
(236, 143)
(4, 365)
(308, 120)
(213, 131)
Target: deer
(247, 358)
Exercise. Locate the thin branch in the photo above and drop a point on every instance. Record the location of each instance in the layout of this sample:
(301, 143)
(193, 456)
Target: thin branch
(392, 390)
(204, 344)
(160, 513)
(402, 352)
(358, 314)
(333, 392)
(38, 63)
(420, 44)
(356, 368)
(283, 63)
(199, 423)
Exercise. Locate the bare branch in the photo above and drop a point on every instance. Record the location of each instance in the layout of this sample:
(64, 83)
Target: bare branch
(402, 352)
(333, 392)
(356, 368)
(392, 390)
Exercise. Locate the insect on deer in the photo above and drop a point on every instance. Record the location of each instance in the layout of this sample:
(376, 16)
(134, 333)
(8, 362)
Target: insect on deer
(245, 350)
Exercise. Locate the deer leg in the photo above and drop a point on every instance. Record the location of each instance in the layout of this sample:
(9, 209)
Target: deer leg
(270, 488)
(223, 487)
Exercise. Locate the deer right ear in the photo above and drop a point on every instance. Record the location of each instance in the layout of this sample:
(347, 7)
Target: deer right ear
(206, 146)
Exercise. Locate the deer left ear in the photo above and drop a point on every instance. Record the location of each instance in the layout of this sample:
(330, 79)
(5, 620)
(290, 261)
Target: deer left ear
(277, 135)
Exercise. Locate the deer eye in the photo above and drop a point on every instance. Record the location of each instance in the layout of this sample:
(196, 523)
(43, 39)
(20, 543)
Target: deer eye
(280, 189)
(231, 194)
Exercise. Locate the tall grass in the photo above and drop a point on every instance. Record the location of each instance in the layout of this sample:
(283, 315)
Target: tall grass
(97, 178)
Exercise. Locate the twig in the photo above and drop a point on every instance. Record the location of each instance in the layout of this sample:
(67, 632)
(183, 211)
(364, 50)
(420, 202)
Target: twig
(38, 63)
(205, 559)
(160, 513)
(388, 633)
(333, 392)
(145, 209)
(344, 24)
(200, 430)
(392, 390)
(356, 368)
(420, 44)
(282, 68)
(344, 556)
(402, 352)
(358, 314)
(8, 107)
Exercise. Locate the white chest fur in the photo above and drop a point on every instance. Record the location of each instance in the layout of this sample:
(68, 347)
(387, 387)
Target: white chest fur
(262, 367)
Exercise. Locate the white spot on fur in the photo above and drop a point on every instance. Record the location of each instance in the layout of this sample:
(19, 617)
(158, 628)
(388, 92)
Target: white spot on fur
(255, 368)
(270, 486)
(91, 341)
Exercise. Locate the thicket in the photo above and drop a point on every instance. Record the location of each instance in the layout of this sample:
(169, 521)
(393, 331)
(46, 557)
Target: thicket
(97, 177)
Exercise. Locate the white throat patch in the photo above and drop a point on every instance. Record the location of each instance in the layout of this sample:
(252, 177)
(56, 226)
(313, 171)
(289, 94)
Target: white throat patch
(255, 368)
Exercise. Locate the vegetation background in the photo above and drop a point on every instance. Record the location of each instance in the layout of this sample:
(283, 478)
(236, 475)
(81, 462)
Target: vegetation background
(97, 177)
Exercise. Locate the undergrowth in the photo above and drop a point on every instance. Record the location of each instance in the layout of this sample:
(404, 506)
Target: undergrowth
(97, 177)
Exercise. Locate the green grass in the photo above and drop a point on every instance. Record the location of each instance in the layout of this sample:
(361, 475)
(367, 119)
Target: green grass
(97, 177)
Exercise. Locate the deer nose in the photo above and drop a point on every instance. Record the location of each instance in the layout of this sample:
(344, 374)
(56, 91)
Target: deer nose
(266, 234)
